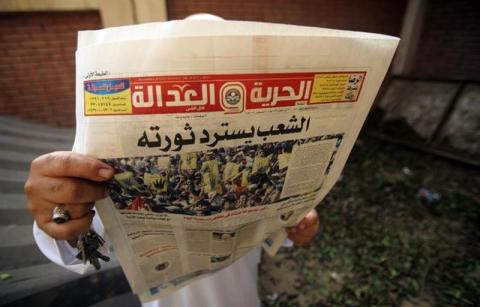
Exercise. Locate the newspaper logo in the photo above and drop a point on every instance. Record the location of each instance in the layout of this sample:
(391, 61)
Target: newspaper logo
(107, 87)
(232, 97)
(229, 93)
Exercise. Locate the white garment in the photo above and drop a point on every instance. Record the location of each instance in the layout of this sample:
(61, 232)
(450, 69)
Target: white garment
(233, 286)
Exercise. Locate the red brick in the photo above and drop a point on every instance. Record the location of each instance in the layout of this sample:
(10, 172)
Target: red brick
(369, 15)
(37, 64)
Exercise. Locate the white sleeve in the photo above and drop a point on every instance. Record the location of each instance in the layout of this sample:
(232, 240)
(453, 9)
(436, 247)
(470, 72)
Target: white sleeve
(287, 243)
(61, 253)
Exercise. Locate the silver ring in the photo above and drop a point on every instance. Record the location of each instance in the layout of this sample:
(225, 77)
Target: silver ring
(60, 214)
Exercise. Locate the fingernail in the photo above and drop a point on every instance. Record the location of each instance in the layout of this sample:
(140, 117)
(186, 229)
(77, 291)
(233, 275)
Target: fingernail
(302, 226)
(293, 230)
(106, 173)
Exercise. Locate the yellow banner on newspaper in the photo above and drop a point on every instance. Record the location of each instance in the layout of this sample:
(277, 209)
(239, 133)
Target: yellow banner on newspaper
(336, 87)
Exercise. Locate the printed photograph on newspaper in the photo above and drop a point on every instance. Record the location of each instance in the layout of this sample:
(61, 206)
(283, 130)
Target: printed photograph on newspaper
(218, 180)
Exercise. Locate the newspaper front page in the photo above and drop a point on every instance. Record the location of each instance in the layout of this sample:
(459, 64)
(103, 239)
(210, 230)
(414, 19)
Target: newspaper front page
(221, 134)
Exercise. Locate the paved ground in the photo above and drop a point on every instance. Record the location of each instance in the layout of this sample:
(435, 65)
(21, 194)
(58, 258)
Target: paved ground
(34, 279)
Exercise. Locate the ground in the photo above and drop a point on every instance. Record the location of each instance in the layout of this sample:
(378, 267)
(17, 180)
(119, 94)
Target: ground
(380, 243)
(384, 241)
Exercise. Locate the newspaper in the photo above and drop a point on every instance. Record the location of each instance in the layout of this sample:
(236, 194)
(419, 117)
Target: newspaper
(221, 134)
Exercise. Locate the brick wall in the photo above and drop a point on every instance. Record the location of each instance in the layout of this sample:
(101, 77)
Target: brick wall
(450, 41)
(37, 64)
(367, 15)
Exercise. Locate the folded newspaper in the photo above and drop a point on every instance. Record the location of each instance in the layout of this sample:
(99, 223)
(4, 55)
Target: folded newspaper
(221, 134)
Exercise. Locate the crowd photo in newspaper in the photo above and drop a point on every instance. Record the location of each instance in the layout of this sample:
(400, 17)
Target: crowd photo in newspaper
(204, 183)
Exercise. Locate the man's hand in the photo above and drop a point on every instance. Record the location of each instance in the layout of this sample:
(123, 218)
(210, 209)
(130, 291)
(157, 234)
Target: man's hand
(66, 178)
(306, 230)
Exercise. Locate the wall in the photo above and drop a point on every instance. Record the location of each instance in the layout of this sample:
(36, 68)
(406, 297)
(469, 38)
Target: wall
(449, 46)
(443, 116)
(37, 64)
(37, 67)
(368, 15)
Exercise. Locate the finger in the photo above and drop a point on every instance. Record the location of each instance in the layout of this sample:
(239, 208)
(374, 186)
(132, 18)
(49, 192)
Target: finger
(40, 207)
(69, 230)
(301, 240)
(79, 210)
(68, 190)
(43, 210)
(307, 231)
(291, 230)
(298, 240)
(299, 227)
(311, 218)
(69, 164)
(302, 237)
(296, 227)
